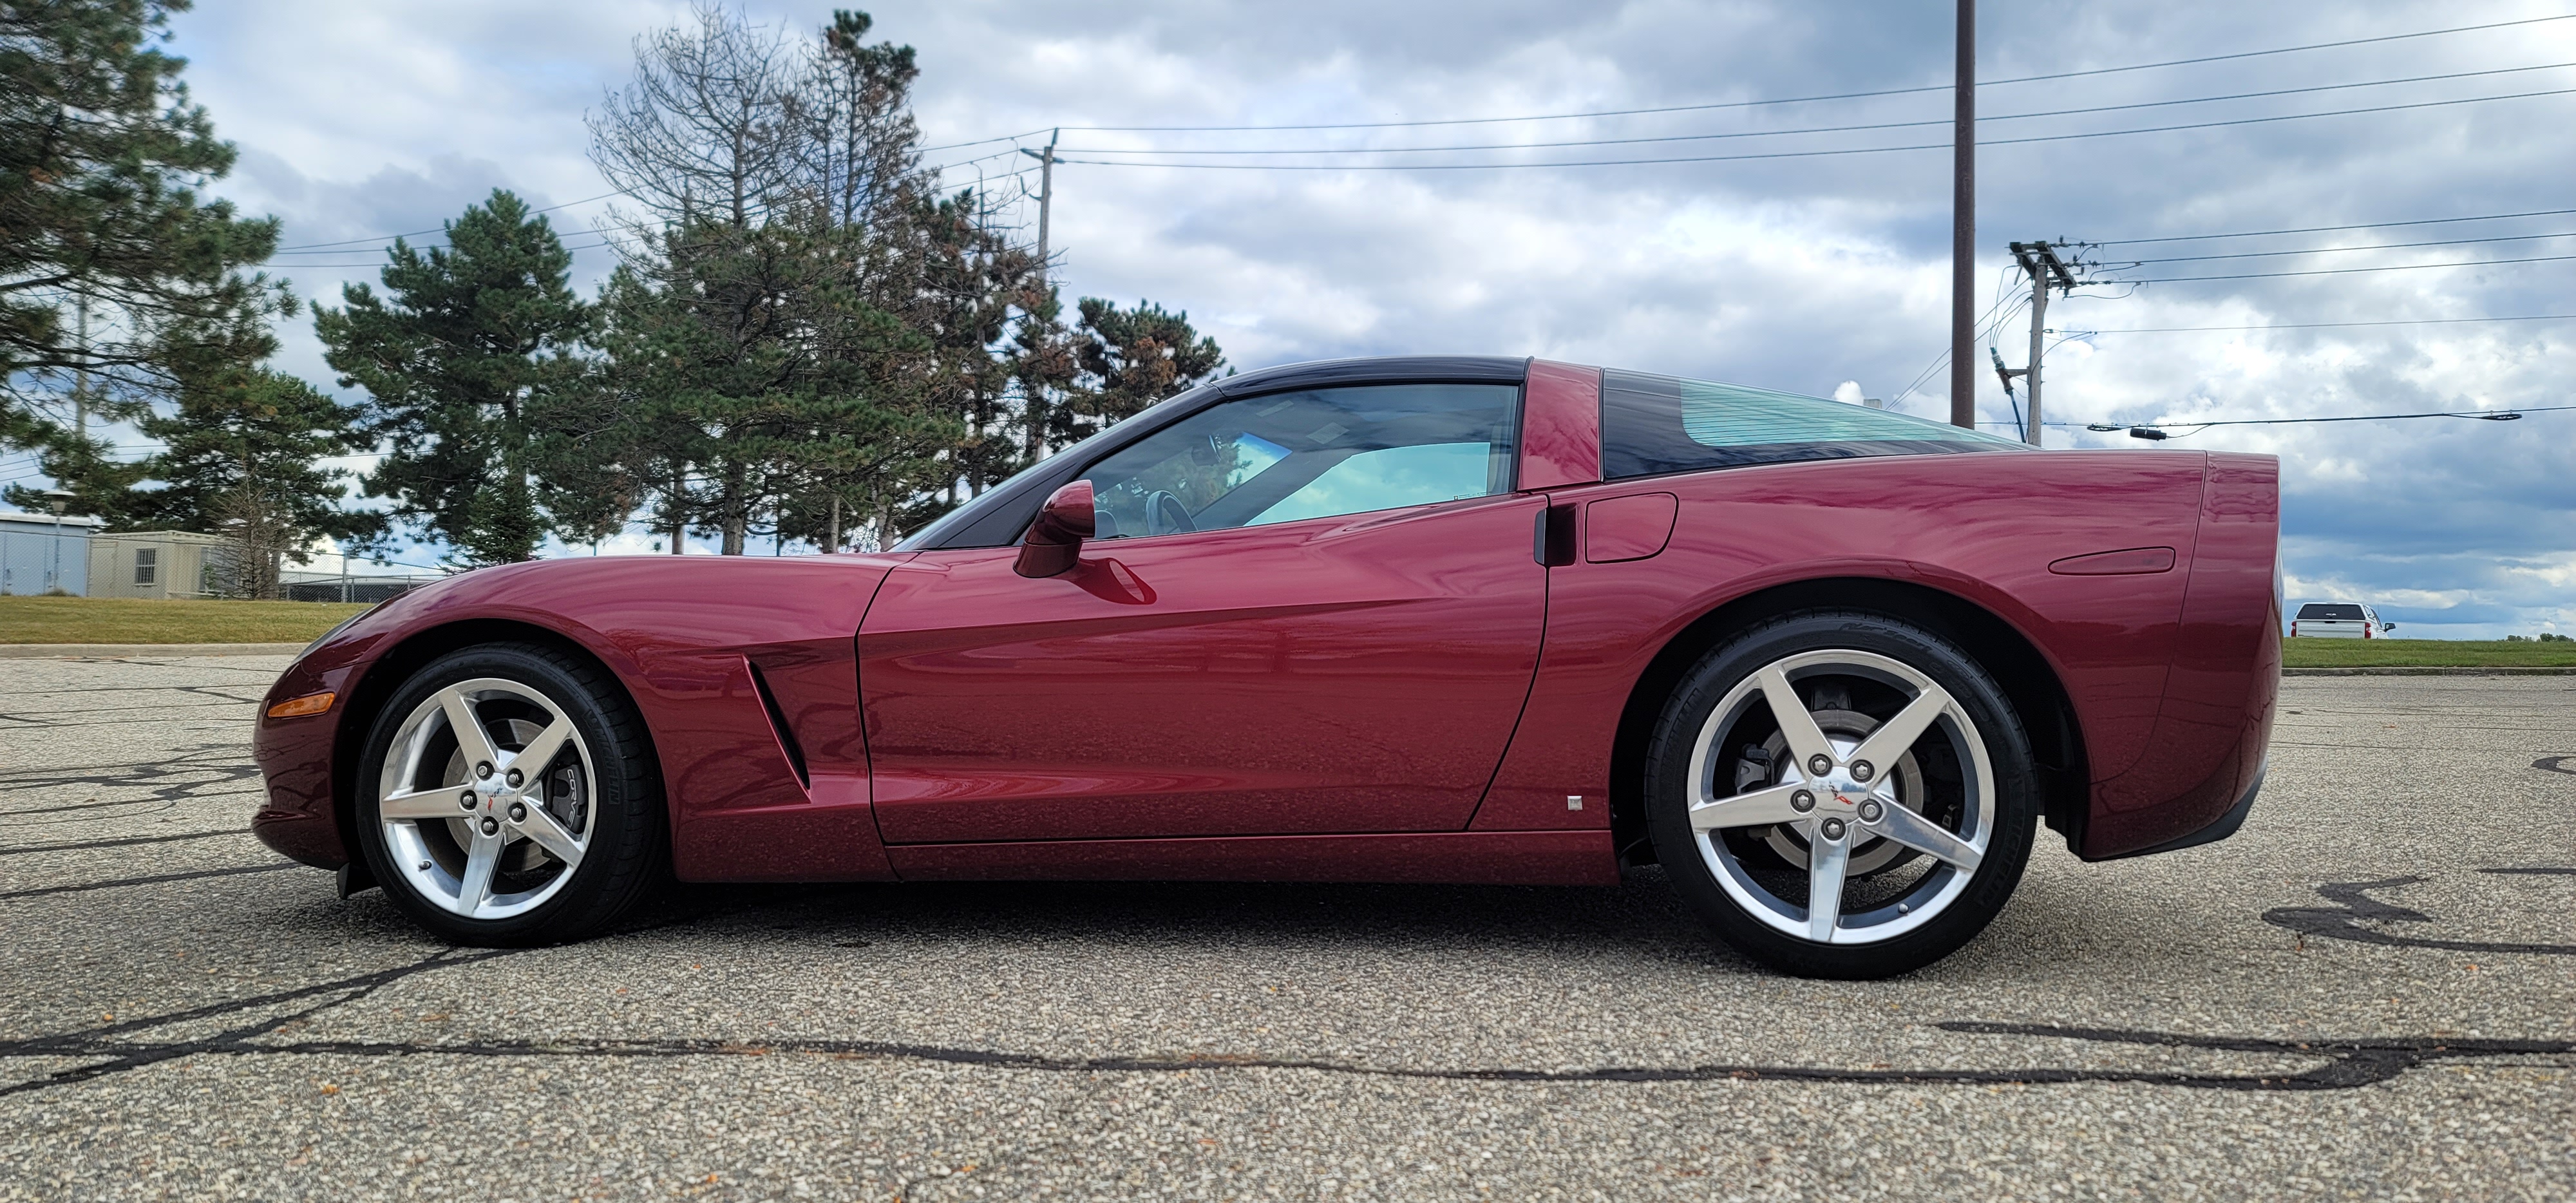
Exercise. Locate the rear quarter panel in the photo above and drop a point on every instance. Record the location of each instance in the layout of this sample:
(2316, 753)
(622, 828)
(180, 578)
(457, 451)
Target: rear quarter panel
(2215, 722)
(1982, 527)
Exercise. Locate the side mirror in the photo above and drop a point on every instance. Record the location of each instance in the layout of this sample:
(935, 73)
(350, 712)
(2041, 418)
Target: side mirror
(1054, 541)
(2388, 626)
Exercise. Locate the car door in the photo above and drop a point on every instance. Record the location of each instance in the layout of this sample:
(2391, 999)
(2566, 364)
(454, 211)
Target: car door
(1307, 612)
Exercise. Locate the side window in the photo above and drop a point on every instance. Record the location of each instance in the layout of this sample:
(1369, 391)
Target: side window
(1319, 453)
(1656, 424)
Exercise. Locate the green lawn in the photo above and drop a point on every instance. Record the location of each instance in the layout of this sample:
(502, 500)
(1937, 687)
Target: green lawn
(2424, 653)
(120, 620)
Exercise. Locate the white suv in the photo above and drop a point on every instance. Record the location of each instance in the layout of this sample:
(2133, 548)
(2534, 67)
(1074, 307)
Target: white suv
(2339, 620)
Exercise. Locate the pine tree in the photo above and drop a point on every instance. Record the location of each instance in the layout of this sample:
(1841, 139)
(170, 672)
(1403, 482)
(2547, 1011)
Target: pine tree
(258, 432)
(102, 156)
(462, 358)
(1136, 357)
(803, 337)
(242, 459)
(241, 456)
(751, 368)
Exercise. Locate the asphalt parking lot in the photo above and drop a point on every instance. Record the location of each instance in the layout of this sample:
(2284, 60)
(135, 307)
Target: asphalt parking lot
(2370, 991)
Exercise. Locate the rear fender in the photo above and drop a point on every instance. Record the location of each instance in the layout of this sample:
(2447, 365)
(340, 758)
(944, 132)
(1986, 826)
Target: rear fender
(2214, 722)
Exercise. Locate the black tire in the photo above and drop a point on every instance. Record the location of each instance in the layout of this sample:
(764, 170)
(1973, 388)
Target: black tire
(1689, 864)
(626, 856)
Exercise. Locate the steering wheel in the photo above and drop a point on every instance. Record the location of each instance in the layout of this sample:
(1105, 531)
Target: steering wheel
(1165, 515)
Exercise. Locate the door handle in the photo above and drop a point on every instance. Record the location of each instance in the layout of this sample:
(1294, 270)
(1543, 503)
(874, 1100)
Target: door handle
(1552, 536)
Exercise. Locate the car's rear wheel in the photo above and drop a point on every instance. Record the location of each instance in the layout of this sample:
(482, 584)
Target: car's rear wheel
(508, 797)
(1842, 795)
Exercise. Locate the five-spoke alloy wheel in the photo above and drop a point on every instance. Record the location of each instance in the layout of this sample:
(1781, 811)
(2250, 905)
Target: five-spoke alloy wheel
(1842, 794)
(507, 797)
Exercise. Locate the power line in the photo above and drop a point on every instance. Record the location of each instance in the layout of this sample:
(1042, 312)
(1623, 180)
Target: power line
(2367, 225)
(999, 154)
(2345, 271)
(1991, 320)
(2376, 246)
(2484, 415)
(443, 246)
(2421, 321)
(321, 247)
(1740, 104)
(585, 246)
(360, 245)
(363, 244)
(301, 246)
(1810, 154)
(979, 141)
(1820, 129)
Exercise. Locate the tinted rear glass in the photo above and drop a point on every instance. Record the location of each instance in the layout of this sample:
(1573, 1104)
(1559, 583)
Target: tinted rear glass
(1656, 424)
(2324, 611)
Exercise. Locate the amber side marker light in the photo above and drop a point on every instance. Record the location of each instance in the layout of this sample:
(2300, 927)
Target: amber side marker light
(311, 703)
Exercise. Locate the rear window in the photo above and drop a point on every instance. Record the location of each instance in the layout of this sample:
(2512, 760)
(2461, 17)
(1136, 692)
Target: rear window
(1656, 424)
(2329, 612)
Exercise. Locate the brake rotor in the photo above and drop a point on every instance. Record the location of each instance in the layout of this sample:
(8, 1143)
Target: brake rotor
(563, 797)
(1844, 729)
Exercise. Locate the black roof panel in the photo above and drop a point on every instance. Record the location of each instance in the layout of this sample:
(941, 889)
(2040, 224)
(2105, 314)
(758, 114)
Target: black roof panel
(1461, 369)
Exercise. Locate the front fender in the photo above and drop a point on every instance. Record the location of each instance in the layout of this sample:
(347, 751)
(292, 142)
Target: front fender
(695, 641)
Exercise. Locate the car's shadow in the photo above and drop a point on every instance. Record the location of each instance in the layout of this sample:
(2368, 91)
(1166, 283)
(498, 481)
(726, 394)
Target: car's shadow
(1641, 923)
(1643, 917)
(1641, 920)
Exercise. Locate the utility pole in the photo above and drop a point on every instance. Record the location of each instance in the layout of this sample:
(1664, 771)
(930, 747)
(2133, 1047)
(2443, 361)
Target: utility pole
(1963, 222)
(1046, 194)
(80, 382)
(1036, 412)
(2046, 270)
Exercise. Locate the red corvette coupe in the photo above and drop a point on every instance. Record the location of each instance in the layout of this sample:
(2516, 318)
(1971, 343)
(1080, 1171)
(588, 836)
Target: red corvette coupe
(1424, 619)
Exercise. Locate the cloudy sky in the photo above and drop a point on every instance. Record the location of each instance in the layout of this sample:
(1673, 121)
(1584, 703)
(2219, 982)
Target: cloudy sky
(1813, 273)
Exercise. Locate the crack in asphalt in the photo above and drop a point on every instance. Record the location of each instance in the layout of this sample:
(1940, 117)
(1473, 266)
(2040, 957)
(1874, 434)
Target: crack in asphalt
(120, 883)
(2345, 1063)
(128, 1057)
(195, 776)
(220, 701)
(2352, 1063)
(228, 752)
(121, 842)
(2356, 907)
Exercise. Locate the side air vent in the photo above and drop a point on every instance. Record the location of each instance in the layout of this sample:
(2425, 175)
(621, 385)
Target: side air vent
(778, 723)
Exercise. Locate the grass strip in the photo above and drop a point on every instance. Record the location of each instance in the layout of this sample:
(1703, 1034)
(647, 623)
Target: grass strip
(129, 620)
(2424, 653)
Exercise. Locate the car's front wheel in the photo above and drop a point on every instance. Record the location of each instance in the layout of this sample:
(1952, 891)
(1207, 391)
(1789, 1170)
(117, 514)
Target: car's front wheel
(1842, 795)
(508, 797)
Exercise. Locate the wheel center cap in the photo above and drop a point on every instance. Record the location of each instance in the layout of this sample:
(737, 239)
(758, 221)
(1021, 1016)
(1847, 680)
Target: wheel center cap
(1844, 790)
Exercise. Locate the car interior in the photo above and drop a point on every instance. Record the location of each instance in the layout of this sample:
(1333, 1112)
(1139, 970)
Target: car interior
(1317, 453)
